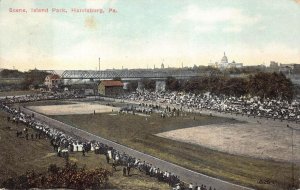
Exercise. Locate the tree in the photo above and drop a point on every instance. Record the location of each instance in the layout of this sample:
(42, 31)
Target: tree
(70, 177)
(270, 85)
(6, 73)
(194, 85)
(132, 86)
(172, 84)
(148, 84)
(235, 86)
(35, 78)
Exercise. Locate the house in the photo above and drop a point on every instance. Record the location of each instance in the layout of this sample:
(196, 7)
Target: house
(52, 81)
(110, 88)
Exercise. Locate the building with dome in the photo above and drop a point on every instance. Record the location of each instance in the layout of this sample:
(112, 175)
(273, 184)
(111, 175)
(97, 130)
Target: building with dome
(224, 64)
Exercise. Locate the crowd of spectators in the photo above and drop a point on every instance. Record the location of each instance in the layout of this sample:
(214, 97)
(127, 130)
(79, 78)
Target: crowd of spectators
(247, 106)
(41, 96)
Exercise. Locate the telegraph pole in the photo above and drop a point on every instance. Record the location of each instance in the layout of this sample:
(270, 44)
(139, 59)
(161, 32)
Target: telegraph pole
(99, 63)
(99, 81)
(293, 173)
(293, 164)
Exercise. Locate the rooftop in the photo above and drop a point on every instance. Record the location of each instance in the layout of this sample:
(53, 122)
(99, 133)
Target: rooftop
(53, 77)
(111, 83)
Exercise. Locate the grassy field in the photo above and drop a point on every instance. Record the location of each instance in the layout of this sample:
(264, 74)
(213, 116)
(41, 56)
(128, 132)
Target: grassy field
(19, 155)
(11, 80)
(138, 132)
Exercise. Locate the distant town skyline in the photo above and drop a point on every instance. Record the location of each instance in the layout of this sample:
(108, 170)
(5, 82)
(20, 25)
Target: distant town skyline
(141, 34)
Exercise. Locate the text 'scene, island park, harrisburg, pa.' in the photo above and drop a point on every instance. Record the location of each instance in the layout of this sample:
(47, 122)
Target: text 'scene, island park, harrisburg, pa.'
(158, 95)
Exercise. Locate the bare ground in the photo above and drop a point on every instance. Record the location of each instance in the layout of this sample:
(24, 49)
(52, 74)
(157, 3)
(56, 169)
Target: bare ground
(249, 139)
(76, 108)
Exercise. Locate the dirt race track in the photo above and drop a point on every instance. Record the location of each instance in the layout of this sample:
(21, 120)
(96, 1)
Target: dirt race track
(76, 108)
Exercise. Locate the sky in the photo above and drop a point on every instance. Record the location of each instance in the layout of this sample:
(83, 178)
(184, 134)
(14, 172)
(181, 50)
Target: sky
(144, 33)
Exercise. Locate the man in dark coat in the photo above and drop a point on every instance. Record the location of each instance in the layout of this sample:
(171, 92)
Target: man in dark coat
(128, 169)
(107, 158)
(124, 171)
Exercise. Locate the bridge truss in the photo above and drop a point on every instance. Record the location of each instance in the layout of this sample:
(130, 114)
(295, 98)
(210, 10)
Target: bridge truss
(129, 74)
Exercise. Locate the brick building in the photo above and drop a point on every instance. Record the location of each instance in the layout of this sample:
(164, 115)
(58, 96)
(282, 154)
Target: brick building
(110, 88)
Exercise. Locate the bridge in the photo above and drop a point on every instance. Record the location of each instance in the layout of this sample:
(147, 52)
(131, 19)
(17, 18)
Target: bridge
(132, 74)
(159, 75)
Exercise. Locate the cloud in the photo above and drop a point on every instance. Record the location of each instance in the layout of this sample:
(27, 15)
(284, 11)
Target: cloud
(210, 18)
(99, 3)
(232, 29)
(297, 1)
(204, 28)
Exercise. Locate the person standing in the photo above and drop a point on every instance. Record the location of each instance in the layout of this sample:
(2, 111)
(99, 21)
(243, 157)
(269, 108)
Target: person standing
(128, 169)
(124, 171)
(114, 165)
(107, 158)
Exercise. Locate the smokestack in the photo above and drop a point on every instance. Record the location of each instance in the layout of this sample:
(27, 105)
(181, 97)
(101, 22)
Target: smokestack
(99, 63)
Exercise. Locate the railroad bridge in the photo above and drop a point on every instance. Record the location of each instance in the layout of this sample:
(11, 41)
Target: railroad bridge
(159, 75)
(132, 74)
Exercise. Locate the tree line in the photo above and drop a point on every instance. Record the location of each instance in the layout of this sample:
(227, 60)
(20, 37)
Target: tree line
(25, 79)
(265, 85)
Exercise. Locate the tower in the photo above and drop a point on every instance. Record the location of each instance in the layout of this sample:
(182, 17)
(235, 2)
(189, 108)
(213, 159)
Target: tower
(162, 65)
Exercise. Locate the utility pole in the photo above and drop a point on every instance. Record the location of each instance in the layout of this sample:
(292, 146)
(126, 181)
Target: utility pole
(99, 63)
(293, 164)
(293, 173)
(96, 88)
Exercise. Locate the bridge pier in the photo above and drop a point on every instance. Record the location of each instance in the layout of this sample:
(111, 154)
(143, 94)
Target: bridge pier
(125, 87)
(140, 85)
(160, 85)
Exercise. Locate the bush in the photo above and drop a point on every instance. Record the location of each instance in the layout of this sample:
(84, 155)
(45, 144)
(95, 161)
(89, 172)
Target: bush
(69, 176)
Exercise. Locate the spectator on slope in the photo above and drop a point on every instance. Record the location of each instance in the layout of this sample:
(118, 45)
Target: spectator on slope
(128, 169)
(124, 171)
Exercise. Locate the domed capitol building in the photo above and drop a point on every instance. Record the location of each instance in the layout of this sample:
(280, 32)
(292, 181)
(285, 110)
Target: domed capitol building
(224, 64)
